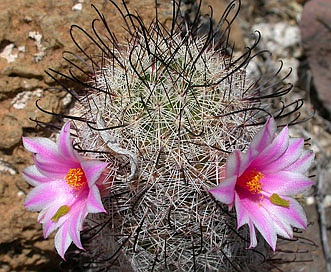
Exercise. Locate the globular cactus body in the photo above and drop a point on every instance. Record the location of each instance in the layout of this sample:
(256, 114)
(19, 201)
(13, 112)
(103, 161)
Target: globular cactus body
(166, 109)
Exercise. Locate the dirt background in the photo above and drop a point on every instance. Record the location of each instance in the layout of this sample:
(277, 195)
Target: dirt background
(33, 35)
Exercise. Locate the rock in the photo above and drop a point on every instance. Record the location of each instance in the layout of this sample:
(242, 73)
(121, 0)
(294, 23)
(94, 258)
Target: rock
(280, 38)
(283, 41)
(316, 39)
(9, 86)
(22, 246)
(6, 167)
(4, 24)
(236, 35)
(3, 186)
(10, 132)
(24, 106)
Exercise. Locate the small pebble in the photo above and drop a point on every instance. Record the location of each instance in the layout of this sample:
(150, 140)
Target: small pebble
(310, 200)
(327, 201)
(78, 6)
(20, 194)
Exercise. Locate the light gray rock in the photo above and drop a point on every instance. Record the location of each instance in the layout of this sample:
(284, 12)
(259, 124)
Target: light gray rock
(316, 39)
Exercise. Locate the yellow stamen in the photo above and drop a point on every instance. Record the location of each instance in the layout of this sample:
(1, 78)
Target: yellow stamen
(253, 181)
(76, 178)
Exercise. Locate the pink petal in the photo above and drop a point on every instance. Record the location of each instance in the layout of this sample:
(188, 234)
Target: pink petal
(42, 214)
(233, 164)
(54, 169)
(259, 216)
(65, 144)
(238, 162)
(224, 192)
(77, 205)
(93, 169)
(40, 197)
(33, 176)
(252, 235)
(75, 226)
(94, 203)
(285, 183)
(281, 226)
(282, 229)
(273, 151)
(265, 136)
(243, 217)
(292, 154)
(48, 224)
(294, 215)
(47, 159)
(303, 163)
(62, 240)
(246, 160)
(242, 212)
(41, 145)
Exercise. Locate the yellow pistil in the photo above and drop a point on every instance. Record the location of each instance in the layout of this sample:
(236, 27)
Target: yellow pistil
(277, 200)
(76, 178)
(63, 210)
(253, 181)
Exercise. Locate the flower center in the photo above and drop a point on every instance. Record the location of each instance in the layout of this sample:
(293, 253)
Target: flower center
(76, 178)
(253, 181)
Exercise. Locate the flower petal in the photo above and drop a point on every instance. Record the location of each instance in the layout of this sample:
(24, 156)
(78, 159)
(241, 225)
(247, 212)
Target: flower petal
(94, 203)
(243, 217)
(281, 226)
(292, 154)
(47, 158)
(224, 192)
(259, 216)
(242, 212)
(76, 206)
(285, 183)
(294, 215)
(93, 169)
(237, 162)
(40, 197)
(62, 240)
(252, 235)
(54, 169)
(65, 144)
(303, 163)
(246, 160)
(233, 164)
(32, 176)
(273, 151)
(41, 145)
(46, 219)
(75, 225)
(265, 136)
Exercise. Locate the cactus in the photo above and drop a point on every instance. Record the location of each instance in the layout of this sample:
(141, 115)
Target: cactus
(165, 109)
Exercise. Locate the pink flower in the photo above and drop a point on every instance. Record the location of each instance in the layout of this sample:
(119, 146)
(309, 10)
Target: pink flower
(65, 187)
(260, 183)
